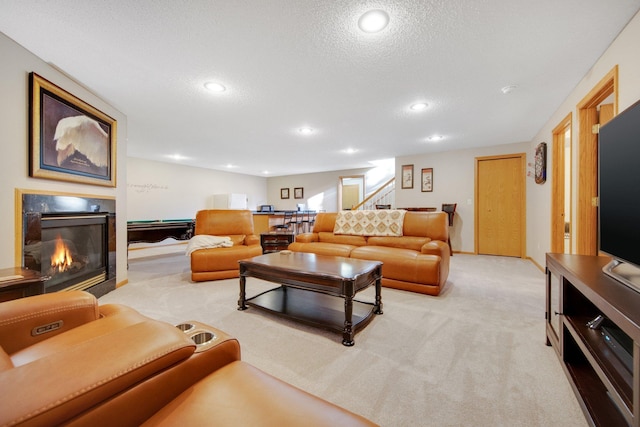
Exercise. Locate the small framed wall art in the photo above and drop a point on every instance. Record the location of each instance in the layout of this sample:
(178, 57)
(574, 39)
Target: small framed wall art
(298, 193)
(427, 180)
(407, 176)
(284, 193)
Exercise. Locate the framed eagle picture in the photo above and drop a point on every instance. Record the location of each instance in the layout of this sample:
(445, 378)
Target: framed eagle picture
(70, 140)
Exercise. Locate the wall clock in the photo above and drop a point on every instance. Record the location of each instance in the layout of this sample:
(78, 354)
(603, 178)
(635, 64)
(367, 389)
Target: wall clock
(541, 163)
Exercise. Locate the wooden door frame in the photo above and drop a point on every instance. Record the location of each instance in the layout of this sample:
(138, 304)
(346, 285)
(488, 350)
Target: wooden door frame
(558, 196)
(340, 183)
(587, 209)
(523, 200)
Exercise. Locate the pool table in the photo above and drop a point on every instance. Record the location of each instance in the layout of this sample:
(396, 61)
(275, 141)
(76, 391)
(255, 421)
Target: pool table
(153, 231)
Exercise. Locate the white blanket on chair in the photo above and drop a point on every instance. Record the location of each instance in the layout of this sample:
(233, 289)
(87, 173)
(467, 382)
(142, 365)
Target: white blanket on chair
(205, 241)
(370, 223)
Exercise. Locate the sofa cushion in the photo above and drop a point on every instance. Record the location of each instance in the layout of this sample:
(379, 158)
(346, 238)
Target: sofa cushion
(219, 222)
(404, 242)
(322, 248)
(345, 239)
(402, 264)
(325, 221)
(428, 224)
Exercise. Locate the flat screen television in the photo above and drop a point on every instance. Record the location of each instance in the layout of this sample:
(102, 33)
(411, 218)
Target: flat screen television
(619, 195)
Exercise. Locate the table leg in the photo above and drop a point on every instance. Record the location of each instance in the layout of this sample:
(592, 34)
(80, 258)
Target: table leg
(241, 302)
(377, 308)
(347, 334)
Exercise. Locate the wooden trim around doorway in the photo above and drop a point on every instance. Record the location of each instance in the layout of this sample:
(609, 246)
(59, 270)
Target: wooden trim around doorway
(587, 208)
(558, 194)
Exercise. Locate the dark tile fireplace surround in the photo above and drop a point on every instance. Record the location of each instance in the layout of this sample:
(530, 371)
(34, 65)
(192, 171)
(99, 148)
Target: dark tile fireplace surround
(71, 240)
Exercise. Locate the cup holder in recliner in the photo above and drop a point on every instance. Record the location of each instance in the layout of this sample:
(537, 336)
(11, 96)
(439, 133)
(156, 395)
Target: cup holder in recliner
(202, 338)
(185, 327)
(201, 334)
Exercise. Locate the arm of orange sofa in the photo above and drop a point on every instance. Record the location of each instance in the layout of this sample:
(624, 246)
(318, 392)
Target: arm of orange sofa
(436, 247)
(307, 237)
(27, 321)
(251, 240)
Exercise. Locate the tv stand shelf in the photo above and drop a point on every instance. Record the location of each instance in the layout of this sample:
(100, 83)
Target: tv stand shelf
(577, 292)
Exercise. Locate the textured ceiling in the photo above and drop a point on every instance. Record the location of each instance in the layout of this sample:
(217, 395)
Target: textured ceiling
(294, 63)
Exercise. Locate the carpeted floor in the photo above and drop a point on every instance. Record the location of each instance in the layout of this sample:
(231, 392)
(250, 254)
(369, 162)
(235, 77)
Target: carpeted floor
(473, 356)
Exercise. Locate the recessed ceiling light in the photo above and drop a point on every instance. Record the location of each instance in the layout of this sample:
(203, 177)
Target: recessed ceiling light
(230, 166)
(350, 150)
(175, 157)
(214, 87)
(373, 21)
(435, 138)
(265, 172)
(508, 89)
(419, 106)
(305, 131)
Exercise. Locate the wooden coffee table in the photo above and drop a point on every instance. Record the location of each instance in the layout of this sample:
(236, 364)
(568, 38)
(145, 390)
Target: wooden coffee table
(317, 290)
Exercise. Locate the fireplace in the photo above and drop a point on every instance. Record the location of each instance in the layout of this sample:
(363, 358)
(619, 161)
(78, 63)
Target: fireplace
(71, 240)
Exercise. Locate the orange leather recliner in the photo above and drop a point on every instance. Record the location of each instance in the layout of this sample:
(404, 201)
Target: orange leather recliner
(64, 360)
(222, 262)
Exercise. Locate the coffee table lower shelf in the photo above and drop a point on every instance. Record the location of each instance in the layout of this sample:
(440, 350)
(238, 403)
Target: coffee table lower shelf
(312, 308)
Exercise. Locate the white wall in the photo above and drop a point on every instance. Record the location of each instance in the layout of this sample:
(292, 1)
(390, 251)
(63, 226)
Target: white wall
(623, 52)
(15, 66)
(157, 190)
(453, 182)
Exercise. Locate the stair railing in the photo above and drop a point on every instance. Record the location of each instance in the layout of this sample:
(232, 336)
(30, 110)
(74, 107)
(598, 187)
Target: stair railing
(384, 195)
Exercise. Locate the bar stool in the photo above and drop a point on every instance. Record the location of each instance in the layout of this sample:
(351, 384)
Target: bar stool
(308, 220)
(286, 221)
(295, 222)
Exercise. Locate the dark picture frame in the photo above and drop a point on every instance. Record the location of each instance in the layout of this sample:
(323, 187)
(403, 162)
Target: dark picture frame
(426, 180)
(407, 176)
(298, 193)
(541, 163)
(69, 140)
(284, 193)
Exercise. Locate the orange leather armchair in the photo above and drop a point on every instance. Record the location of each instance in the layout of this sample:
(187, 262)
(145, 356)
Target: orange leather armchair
(66, 361)
(222, 262)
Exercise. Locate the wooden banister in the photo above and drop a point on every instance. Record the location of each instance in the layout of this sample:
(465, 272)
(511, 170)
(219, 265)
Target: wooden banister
(383, 190)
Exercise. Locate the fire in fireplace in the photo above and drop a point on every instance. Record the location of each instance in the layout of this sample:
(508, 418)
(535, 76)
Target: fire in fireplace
(74, 249)
(71, 250)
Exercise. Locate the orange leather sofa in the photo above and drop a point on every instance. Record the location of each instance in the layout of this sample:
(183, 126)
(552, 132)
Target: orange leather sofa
(222, 263)
(417, 261)
(64, 360)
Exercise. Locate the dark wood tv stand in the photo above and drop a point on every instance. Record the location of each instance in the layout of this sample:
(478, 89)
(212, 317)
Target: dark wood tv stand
(577, 292)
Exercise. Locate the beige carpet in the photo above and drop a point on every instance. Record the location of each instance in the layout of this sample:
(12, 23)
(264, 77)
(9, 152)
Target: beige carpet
(474, 356)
